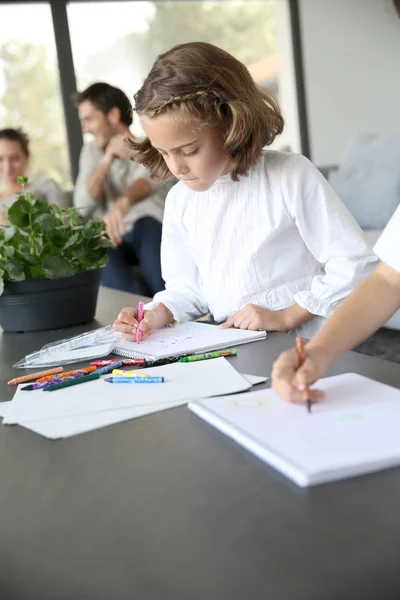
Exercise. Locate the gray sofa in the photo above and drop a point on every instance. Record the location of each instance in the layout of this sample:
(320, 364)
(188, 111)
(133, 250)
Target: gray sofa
(371, 235)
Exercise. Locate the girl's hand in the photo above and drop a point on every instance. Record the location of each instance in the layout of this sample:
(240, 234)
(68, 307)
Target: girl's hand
(127, 323)
(153, 319)
(289, 379)
(258, 319)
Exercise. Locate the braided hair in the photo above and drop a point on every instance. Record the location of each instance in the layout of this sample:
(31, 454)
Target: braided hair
(200, 80)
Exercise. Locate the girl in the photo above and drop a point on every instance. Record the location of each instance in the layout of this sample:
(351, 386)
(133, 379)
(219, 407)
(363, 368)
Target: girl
(14, 161)
(368, 307)
(245, 229)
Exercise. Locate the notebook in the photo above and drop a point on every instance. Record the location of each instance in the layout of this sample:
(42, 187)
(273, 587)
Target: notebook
(186, 338)
(355, 431)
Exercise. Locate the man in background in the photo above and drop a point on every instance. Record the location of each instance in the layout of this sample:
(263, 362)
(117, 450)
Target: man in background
(118, 190)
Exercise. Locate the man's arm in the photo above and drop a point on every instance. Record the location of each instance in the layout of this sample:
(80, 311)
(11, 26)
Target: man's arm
(97, 180)
(114, 219)
(88, 164)
(138, 190)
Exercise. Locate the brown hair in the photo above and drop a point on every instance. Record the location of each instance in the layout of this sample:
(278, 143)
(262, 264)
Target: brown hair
(202, 80)
(105, 97)
(16, 135)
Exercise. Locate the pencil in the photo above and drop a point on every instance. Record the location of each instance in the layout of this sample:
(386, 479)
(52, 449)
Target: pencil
(302, 357)
(34, 376)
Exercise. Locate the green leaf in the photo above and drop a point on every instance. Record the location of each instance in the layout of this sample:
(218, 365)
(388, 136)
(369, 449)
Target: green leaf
(46, 222)
(9, 251)
(56, 266)
(91, 229)
(40, 205)
(35, 271)
(29, 259)
(58, 237)
(9, 232)
(47, 241)
(18, 213)
(102, 262)
(14, 270)
(72, 241)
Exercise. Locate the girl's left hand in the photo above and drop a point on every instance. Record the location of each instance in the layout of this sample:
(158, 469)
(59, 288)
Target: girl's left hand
(256, 318)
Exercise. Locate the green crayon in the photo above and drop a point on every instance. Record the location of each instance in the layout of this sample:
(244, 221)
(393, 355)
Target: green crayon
(217, 354)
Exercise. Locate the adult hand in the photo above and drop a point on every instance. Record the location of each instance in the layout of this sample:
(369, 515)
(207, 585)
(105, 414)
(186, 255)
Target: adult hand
(289, 379)
(114, 220)
(256, 318)
(117, 148)
(115, 226)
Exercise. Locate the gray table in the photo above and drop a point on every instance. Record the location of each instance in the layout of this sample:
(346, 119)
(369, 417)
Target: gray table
(167, 508)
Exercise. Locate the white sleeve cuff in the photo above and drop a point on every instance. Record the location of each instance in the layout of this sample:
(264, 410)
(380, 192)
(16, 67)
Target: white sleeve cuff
(314, 305)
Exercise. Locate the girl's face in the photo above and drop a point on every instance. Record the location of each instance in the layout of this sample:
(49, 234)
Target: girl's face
(13, 161)
(194, 154)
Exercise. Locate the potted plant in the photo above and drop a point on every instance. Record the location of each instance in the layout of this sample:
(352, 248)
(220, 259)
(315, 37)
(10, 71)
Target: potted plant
(50, 265)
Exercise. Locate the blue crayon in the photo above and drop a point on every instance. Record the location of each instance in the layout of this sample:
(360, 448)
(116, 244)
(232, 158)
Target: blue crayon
(134, 379)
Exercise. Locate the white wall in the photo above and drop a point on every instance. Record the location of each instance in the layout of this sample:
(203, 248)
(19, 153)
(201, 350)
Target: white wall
(351, 53)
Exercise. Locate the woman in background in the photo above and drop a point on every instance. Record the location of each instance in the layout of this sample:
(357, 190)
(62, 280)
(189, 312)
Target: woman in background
(14, 161)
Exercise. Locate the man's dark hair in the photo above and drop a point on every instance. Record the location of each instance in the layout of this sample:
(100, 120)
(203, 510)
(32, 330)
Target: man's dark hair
(105, 96)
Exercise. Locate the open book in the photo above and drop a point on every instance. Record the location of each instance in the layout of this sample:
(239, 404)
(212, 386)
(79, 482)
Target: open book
(354, 431)
(186, 338)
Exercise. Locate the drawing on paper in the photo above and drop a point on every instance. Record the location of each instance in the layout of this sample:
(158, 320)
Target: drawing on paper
(349, 417)
(244, 402)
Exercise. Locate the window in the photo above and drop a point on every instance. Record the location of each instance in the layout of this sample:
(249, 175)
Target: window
(126, 37)
(29, 87)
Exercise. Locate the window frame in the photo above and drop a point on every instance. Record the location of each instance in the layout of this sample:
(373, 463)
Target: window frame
(68, 78)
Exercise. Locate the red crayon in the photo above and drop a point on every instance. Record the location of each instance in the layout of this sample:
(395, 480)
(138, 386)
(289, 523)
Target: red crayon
(126, 362)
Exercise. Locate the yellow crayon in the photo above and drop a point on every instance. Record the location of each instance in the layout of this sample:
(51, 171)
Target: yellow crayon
(129, 373)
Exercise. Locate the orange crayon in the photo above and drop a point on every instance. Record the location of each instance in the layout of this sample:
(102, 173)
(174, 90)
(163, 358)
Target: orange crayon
(83, 371)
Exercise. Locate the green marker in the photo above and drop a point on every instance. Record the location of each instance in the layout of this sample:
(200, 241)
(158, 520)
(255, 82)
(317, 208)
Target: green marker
(228, 352)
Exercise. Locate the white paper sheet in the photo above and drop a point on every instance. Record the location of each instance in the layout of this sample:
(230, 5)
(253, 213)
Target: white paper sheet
(356, 429)
(182, 381)
(63, 427)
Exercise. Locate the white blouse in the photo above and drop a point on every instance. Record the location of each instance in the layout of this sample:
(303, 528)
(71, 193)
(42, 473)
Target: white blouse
(387, 248)
(260, 240)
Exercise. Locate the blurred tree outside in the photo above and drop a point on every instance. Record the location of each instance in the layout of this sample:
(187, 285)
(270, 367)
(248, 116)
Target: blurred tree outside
(32, 100)
(246, 29)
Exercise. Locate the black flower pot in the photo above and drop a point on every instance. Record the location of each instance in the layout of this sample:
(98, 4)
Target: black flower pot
(41, 304)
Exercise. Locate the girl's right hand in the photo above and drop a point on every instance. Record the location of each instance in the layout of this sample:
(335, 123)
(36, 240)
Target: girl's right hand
(127, 323)
(289, 380)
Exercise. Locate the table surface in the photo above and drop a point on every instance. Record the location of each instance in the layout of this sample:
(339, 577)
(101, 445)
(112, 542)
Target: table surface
(166, 508)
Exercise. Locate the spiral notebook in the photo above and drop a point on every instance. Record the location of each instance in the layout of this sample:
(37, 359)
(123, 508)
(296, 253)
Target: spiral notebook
(186, 338)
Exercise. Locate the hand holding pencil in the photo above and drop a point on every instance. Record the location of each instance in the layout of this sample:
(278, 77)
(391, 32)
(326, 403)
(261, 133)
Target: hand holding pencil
(293, 372)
